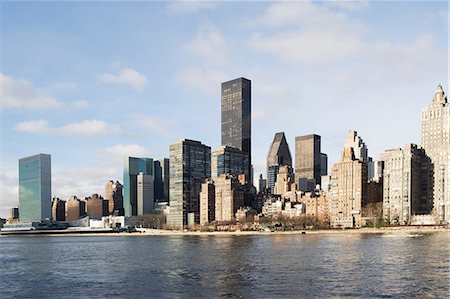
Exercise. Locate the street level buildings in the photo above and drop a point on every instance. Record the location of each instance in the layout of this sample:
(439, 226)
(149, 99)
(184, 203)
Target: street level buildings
(132, 168)
(436, 142)
(35, 188)
(279, 155)
(406, 184)
(190, 166)
(236, 129)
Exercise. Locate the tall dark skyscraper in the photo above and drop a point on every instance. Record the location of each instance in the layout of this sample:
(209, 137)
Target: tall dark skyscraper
(132, 168)
(236, 116)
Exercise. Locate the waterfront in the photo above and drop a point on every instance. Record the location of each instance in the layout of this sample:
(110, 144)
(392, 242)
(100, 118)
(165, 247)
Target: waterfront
(260, 266)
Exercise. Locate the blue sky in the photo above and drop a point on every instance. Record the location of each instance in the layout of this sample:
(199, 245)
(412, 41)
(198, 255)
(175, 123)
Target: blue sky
(92, 82)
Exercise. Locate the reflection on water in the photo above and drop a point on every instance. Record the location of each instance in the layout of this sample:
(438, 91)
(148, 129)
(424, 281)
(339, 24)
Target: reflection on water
(226, 266)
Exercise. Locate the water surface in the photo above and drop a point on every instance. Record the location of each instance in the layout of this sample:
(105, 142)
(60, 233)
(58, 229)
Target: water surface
(262, 266)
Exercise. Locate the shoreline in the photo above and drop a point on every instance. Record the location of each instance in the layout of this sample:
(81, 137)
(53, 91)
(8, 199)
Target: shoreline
(406, 230)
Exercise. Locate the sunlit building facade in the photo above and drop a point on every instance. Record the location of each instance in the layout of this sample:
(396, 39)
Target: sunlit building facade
(35, 188)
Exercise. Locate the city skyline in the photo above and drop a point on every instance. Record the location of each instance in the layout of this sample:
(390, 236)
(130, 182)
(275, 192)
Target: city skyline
(86, 131)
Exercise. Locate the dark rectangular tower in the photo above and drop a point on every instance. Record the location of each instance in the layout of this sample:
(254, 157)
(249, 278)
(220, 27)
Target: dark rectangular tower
(236, 115)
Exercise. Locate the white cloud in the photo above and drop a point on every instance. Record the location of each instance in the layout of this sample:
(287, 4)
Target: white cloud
(33, 126)
(203, 79)
(20, 94)
(126, 76)
(79, 104)
(155, 124)
(83, 181)
(87, 127)
(190, 7)
(9, 192)
(120, 151)
(83, 128)
(352, 5)
(209, 45)
(314, 34)
(61, 86)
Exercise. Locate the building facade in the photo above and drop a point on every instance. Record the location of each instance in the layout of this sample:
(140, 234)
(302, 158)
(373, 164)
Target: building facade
(35, 188)
(96, 206)
(285, 181)
(75, 209)
(406, 184)
(236, 117)
(348, 182)
(229, 160)
(207, 203)
(279, 155)
(132, 167)
(114, 195)
(190, 166)
(145, 194)
(162, 177)
(58, 209)
(436, 142)
(307, 159)
(229, 197)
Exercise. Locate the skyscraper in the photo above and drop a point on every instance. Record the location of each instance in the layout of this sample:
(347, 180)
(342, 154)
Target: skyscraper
(279, 155)
(35, 188)
(132, 167)
(307, 160)
(162, 180)
(436, 142)
(236, 116)
(229, 160)
(190, 166)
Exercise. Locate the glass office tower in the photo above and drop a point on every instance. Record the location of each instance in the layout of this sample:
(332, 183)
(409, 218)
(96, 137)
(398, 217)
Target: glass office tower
(35, 188)
(236, 116)
(132, 168)
(190, 166)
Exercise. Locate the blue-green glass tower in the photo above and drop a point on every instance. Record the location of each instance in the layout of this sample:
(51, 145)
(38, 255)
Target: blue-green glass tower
(132, 167)
(35, 188)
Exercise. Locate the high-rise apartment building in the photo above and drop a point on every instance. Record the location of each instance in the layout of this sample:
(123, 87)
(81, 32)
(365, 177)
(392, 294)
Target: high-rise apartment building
(229, 197)
(436, 142)
(229, 160)
(236, 116)
(406, 184)
(348, 182)
(308, 160)
(279, 155)
(58, 209)
(35, 188)
(145, 194)
(190, 166)
(114, 195)
(207, 203)
(132, 167)
(75, 209)
(96, 206)
(285, 181)
(161, 180)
